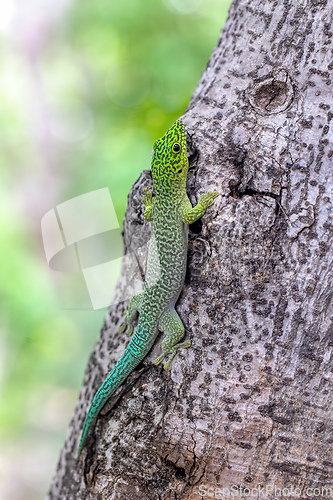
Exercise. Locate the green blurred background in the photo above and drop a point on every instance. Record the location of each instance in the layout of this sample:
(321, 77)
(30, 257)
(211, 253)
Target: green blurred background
(86, 87)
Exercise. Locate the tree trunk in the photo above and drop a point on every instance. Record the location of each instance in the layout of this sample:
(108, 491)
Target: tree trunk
(248, 405)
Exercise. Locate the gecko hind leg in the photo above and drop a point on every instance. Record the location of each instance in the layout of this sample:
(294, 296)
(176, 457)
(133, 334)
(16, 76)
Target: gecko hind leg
(130, 313)
(171, 325)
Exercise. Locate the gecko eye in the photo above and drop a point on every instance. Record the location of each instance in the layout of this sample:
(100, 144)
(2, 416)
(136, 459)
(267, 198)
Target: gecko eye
(176, 147)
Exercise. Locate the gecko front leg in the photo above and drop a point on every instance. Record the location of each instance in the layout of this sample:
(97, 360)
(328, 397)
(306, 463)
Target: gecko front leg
(191, 214)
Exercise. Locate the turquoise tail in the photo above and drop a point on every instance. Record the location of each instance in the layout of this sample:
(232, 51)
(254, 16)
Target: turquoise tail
(131, 357)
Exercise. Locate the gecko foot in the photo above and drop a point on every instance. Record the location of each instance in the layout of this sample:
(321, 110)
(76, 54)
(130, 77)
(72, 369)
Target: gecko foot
(159, 359)
(123, 327)
(207, 199)
(172, 351)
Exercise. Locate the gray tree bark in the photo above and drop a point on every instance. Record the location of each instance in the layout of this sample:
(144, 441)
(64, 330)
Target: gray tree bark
(249, 404)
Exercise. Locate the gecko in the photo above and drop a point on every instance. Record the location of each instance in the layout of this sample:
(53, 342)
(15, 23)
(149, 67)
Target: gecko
(170, 213)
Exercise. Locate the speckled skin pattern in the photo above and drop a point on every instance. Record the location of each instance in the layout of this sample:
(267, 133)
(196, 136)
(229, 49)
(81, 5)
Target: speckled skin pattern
(170, 212)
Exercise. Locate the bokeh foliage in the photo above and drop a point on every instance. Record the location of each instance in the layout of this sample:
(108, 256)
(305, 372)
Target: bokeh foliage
(114, 76)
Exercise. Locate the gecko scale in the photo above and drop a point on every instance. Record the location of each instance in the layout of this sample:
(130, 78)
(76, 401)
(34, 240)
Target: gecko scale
(170, 212)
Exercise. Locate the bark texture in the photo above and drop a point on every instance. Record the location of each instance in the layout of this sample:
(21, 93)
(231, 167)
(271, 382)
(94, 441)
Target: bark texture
(250, 403)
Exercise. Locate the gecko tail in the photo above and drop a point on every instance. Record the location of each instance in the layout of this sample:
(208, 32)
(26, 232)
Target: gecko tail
(126, 364)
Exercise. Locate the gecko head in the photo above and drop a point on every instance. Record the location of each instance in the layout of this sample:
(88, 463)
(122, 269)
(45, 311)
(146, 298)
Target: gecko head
(169, 165)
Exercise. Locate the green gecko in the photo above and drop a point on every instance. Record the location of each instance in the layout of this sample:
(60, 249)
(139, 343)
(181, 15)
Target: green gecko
(170, 212)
